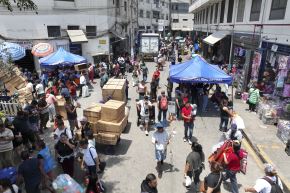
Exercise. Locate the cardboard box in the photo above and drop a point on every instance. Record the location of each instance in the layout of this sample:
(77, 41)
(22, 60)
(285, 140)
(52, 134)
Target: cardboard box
(93, 113)
(113, 111)
(59, 107)
(109, 127)
(115, 92)
(106, 138)
(81, 67)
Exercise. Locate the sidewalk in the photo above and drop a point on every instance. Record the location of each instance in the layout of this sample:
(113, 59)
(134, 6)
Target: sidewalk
(265, 143)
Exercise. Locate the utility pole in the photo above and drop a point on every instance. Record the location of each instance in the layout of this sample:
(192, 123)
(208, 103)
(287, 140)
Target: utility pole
(131, 30)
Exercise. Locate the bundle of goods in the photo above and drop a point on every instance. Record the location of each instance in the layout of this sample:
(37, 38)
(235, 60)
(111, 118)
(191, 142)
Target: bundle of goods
(108, 121)
(227, 147)
(60, 107)
(114, 89)
(283, 132)
(9, 173)
(262, 106)
(65, 184)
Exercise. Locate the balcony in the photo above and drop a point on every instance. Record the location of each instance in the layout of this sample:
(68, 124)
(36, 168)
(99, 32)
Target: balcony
(197, 4)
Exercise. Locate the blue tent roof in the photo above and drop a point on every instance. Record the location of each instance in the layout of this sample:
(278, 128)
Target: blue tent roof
(61, 58)
(197, 70)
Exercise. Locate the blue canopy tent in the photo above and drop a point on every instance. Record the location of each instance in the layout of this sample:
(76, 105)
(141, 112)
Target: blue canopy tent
(197, 70)
(61, 58)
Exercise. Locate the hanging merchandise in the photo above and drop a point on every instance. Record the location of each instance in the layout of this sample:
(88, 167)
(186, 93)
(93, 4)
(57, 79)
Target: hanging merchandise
(282, 62)
(256, 65)
(286, 92)
(280, 82)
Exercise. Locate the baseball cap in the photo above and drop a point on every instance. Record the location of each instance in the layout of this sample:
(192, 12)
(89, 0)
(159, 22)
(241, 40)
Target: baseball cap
(159, 125)
(270, 169)
(83, 119)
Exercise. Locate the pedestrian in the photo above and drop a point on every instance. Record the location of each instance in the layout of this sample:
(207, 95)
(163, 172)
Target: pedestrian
(43, 113)
(64, 152)
(64, 92)
(160, 139)
(51, 100)
(62, 129)
(47, 164)
(205, 99)
(269, 183)
(94, 185)
(135, 76)
(73, 90)
(234, 133)
(144, 70)
(90, 158)
(169, 87)
(29, 171)
(178, 104)
(149, 185)
(39, 89)
(254, 96)
(143, 106)
(188, 119)
(224, 116)
(156, 76)
(233, 166)
(91, 70)
(7, 187)
(86, 127)
(127, 88)
(71, 111)
(29, 87)
(142, 89)
(104, 79)
(212, 182)
(194, 163)
(21, 125)
(162, 106)
(83, 82)
(6, 146)
(153, 89)
(33, 118)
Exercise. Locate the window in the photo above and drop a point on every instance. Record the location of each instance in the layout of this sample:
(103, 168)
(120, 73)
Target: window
(148, 14)
(255, 10)
(117, 3)
(206, 18)
(203, 16)
(148, 1)
(53, 31)
(216, 12)
(241, 9)
(163, 3)
(211, 14)
(141, 13)
(222, 12)
(141, 27)
(184, 19)
(230, 11)
(162, 16)
(175, 21)
(155, 14)
(167, 17)
(73, 27)
(278, 9)
(148, 27)
(91, 30)
(125, 6)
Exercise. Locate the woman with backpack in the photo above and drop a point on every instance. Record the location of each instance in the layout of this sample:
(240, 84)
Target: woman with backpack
(212, 182)
(162, 106)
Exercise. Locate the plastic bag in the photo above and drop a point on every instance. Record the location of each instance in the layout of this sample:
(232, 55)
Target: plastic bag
(65, 184)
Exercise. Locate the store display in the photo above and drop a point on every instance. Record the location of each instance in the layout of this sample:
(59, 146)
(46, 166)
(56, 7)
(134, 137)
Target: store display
(65, 184)
(282, 62)
(256, 65)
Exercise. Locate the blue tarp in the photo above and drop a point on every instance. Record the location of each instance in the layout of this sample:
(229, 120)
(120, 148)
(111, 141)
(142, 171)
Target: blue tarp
(197, 70)
(61, 58)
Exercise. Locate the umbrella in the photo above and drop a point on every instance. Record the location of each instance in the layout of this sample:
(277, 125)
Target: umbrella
(12, 51)
(42, 49)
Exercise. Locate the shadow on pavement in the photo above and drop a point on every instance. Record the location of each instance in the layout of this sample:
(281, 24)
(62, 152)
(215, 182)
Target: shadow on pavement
(109, 186)
(114, 160)
(127, 128)
(120, 149)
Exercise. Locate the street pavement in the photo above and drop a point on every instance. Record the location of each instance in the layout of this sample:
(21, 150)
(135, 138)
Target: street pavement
(134, 158)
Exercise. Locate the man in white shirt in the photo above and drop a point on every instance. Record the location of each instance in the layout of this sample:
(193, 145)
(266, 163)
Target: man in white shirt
(39, 88)
(143, 107)
(83, 82)
(62, 129)
(90, 158)
(29, 86)
(6, 146)
(263, 185)
(160, 139)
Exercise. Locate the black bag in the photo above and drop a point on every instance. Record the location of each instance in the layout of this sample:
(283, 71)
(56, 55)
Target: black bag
(287, 148)
(275, 188)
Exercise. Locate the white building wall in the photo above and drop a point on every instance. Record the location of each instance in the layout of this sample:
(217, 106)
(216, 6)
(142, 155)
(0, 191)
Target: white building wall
(185, 21)
(273, 30)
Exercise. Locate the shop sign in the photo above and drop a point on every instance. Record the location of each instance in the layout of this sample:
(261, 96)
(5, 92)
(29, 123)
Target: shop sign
(274, 48)
(104, 42)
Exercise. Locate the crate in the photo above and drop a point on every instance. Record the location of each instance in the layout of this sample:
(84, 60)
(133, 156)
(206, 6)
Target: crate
(269, 120)
(113, 111)
(81, 67)
(59, 107)
(106, 138)
(113, 91)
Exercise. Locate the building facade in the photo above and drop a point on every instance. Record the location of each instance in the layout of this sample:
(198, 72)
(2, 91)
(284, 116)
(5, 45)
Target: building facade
(181, 19)
(103, 25)
(253, 35)
(153, 15)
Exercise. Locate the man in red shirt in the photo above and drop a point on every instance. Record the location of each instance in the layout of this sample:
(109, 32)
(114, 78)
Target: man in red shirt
(188, 122)
(156, 76)
(233, 164)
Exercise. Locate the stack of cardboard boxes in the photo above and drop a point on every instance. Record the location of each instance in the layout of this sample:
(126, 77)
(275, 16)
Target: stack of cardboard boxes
(108, 121)
(114, 89)
(60, 107)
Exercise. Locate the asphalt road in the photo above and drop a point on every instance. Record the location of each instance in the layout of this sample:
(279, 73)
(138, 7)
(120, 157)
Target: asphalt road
(134, 158)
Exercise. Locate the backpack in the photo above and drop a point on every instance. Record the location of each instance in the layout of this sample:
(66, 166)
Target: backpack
(163, 103)
(275, 188)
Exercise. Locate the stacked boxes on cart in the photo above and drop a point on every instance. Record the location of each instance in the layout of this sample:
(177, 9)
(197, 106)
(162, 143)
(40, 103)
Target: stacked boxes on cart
(114, 89)
(108, 121)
